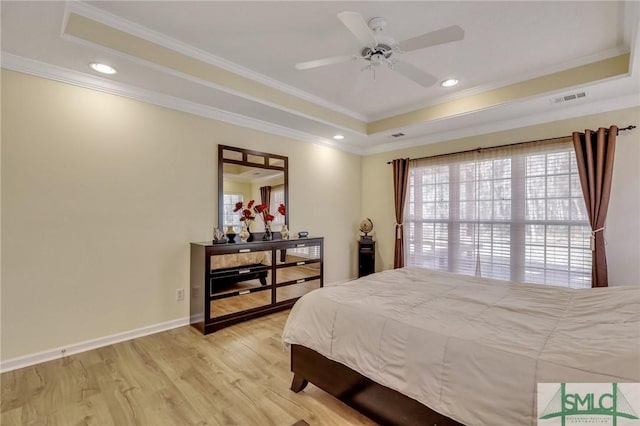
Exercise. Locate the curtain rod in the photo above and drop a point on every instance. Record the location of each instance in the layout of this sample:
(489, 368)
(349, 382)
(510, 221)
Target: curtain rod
(624, 129)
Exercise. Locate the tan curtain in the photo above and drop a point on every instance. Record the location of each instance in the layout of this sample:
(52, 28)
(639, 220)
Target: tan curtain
(594, 155)
(265, 196)
(400, 179)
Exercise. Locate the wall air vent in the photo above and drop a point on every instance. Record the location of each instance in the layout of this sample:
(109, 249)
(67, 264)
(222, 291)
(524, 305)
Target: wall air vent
(569, 97)
(397, 135)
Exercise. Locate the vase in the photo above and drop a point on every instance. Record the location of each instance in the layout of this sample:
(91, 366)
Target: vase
(284, 232)
(231, 234)
(244, 234)
(218, 236)
(268, 235)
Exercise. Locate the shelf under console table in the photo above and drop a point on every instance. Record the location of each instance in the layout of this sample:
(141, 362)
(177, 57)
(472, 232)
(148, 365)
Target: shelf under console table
(236, 282)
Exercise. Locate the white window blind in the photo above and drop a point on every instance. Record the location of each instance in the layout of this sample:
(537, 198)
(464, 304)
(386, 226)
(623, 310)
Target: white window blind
(232, 218)
(277, 198)
(513, 213)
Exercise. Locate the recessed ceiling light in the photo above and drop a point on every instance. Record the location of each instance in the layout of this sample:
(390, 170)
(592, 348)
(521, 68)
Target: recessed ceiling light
(449, 82)
(338, 137)
(103, 68)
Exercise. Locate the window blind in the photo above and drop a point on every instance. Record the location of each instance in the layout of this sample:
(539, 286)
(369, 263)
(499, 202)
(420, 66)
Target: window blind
(230, 217)
(513, 213)
(277, 198)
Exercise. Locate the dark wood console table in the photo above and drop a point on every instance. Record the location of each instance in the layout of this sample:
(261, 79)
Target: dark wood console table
(236, 282)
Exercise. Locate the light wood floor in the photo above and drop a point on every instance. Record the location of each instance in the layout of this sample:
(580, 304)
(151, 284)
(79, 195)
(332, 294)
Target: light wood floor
(236, 376)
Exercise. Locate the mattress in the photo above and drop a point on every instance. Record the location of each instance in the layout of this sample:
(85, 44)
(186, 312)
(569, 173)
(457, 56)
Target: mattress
(472, 348)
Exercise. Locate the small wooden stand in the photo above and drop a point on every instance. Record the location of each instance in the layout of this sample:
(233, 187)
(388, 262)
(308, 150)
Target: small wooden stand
(366, 256)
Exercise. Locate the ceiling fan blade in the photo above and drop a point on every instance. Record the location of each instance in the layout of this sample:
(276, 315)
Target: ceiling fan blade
(326, 61)
(357, 25)
(414, 73)
(441, 36)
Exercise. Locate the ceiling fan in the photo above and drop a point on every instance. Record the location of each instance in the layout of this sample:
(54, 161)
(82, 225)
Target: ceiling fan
(380, 50)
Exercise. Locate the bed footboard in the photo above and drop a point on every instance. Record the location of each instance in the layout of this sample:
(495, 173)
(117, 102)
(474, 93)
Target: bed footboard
(381, 404)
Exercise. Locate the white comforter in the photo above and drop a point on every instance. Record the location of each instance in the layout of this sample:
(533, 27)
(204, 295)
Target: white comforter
(472, 349)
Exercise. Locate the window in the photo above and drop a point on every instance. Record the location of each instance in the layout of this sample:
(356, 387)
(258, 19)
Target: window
(277, 198)
(232, 218)
(513, 213)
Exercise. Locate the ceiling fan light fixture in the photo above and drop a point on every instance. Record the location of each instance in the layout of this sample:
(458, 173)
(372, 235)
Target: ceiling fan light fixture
(450, 82)
(103, 68)
(338, 137)
(378, 49)
(377, 24)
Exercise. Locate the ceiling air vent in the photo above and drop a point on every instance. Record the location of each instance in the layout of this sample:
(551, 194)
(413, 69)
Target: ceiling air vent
(569, 97)
(397, 135)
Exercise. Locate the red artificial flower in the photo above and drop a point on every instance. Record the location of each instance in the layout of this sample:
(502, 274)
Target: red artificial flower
(247, 213)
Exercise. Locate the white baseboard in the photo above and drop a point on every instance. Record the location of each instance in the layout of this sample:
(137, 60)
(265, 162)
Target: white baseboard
(62, 351)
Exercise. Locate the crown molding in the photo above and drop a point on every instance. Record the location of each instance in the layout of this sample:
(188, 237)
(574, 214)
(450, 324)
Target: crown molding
(530, 75)
(99, 15)
(595, 107)
(630, 28)
(200, 81)
(64, 75)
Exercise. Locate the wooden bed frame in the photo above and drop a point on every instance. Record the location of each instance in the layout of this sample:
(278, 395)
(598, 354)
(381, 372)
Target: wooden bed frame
(380, 403)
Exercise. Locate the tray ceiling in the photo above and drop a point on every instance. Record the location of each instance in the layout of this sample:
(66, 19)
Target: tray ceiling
(234, 61)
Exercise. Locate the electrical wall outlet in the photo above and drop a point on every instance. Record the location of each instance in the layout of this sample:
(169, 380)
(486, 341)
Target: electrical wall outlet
(179, 294)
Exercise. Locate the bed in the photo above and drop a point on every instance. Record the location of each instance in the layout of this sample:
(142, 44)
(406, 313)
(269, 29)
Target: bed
(417, 346)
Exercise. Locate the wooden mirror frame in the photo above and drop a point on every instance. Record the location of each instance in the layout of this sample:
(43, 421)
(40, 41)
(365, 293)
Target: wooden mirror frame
(247, 155)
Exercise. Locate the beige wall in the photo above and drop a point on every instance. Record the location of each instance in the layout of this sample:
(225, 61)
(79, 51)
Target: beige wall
(623, 226)
(244, 188)
(101, 196)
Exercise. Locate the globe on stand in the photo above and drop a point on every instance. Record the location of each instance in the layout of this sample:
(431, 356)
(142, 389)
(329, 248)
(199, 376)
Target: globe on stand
(366, 226)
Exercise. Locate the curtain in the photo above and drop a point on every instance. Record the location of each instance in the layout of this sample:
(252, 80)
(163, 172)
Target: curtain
(594, 154)
(265, 196)
(400, 179)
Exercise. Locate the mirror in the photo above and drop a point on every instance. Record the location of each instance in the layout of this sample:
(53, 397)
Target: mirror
(245, 175)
